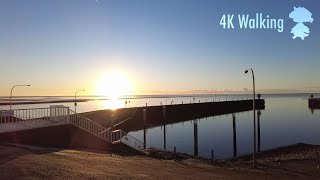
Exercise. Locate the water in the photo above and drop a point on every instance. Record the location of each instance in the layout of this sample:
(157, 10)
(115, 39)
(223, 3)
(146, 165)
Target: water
(286, 120)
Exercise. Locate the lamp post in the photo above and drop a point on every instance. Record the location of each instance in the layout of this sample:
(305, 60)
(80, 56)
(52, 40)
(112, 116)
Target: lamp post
(75, 99)
(11, 93)
(254, 117)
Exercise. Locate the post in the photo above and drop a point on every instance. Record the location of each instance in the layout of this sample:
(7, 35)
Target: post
(212, 157)
(144, 128)
(259, 134)
(75, 99)
(164, 128)
(234, 135)
(254, 117)
(195, 137)
(254, 120)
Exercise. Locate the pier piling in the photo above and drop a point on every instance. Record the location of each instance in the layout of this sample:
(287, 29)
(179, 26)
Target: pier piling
(234, 135)
(195, 137)
(144, 128)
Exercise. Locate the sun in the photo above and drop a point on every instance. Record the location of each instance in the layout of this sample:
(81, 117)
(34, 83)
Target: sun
(113, 84)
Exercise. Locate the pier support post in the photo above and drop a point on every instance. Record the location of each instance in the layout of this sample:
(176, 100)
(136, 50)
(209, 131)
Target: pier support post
(234, 135)
(259, 136)
(195, 135)
(212, 157)
(144, 128)
(164, 128)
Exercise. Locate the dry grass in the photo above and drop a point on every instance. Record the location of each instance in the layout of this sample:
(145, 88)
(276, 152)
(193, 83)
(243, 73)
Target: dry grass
(19, 163)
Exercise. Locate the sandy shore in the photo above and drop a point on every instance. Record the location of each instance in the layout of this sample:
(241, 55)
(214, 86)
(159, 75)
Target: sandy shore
(298, 162)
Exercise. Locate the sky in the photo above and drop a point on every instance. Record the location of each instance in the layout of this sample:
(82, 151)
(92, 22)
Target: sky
(167, 46)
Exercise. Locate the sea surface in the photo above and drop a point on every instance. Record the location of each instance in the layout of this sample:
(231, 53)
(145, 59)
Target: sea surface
(285, 120)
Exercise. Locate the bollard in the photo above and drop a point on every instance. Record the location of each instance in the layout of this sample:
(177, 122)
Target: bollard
(212, 157)
(182, 102)
(199, 101)
(146, 104)
(174, 152)
(160, 103)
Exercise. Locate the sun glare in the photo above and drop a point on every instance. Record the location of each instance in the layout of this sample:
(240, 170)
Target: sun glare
(113, 84)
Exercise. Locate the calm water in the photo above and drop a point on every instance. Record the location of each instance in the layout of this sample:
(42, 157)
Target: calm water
(285, 120)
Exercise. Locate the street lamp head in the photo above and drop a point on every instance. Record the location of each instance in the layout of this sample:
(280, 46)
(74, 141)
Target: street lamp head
(246, 71)
(28, 85)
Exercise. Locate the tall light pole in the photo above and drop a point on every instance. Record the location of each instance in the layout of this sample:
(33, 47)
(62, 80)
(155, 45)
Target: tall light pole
(254, 117)
(11, 93)
(75, 99)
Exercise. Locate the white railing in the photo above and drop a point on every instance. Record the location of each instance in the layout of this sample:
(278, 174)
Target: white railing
(20, 119)
(90, 126)
(94, 128)
(121, 136)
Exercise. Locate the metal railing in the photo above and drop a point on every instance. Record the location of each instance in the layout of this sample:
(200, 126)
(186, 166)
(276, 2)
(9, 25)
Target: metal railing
(125, 138)
(117, 136)
(90, 126)
(20, 119)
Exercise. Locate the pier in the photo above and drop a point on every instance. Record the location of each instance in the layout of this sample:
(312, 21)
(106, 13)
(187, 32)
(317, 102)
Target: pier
(158, 115)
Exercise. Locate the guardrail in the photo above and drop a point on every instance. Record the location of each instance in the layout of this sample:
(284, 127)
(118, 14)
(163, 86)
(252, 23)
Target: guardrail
(121, 136)
(94, 128)
(90, 126)
(20, 119)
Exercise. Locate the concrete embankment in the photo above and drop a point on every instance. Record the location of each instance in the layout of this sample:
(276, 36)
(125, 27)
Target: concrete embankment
(130, 119)
(62, 136)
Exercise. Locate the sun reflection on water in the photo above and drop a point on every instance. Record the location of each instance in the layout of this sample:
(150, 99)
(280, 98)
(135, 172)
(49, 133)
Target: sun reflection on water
(112, 104)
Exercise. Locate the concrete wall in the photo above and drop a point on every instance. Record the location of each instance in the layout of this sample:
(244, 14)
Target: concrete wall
(63, 136)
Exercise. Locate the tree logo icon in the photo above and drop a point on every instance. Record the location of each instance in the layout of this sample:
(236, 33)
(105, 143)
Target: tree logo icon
(300, 15)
